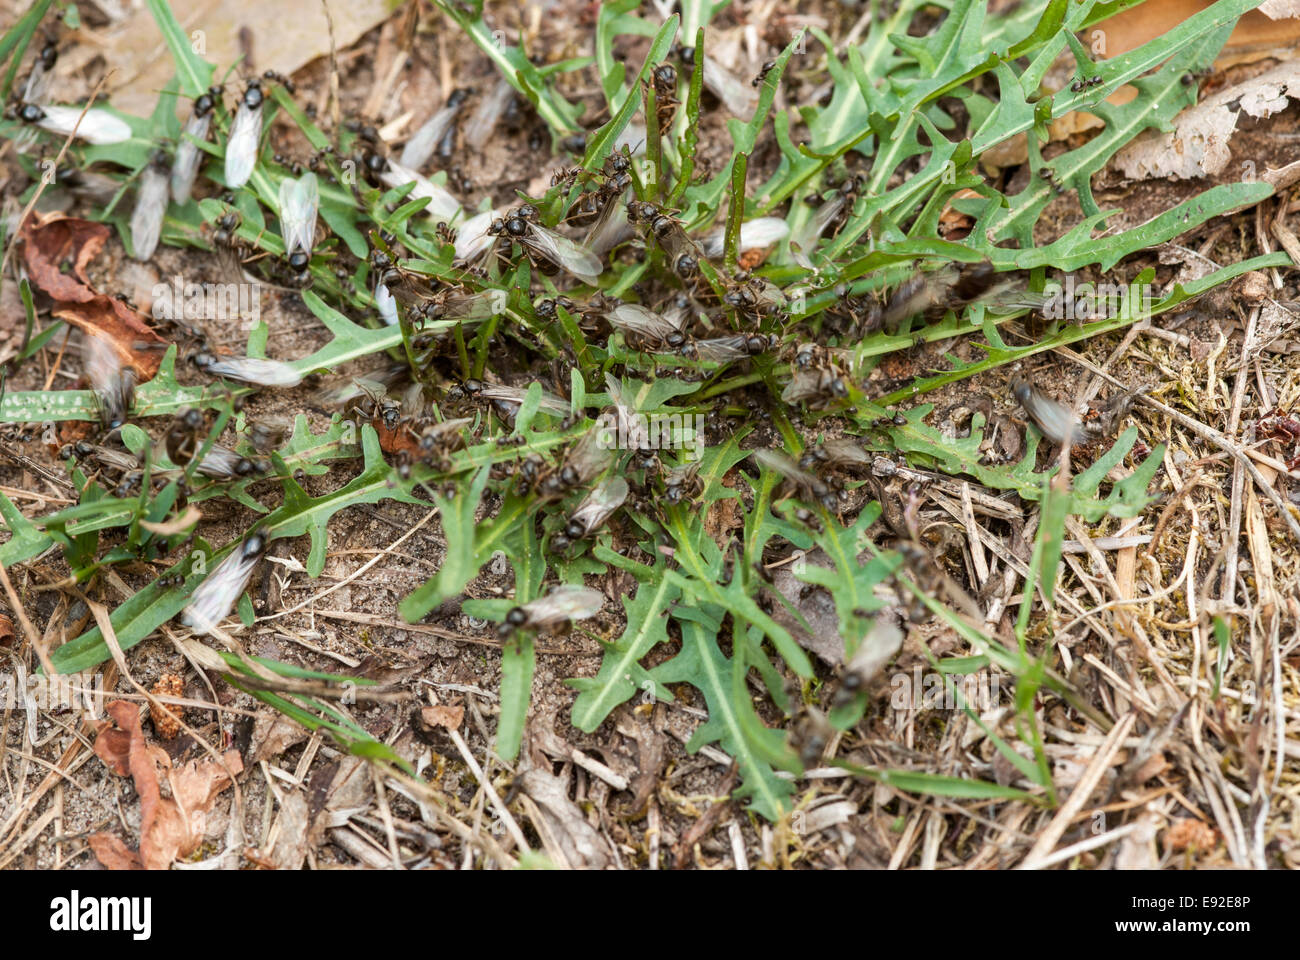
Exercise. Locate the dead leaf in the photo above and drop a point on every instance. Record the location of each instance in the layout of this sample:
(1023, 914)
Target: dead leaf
(6, 628)
(1190, 833)
(954, 224)
(180, 524)
(396, 439)
(821, 636)
(273, 733)
(579, 841)
(1137, 850)
(286, 36)
(1198, 144)
(440, 716)
(1258, 33)
(170, 827)
(113, 853)
(290, 850)
(51, 242)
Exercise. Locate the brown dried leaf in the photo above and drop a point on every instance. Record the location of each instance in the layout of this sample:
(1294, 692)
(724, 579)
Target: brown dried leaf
(170, 827)
(1198, 144)
(440, 716)
(56, 240)
(180, 524)
(113, 853)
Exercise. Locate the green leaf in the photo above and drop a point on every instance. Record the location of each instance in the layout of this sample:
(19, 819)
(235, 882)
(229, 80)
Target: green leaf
(195, 74)
(732, 722)
(464, 555)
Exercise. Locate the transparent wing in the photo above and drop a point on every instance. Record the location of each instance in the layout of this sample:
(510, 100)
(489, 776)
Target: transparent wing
(112, 384)
(721, 349)
(38, 83)
(258, 370)
(606, 497)
(150, 208)
(419, 148)
(563, 252)
(565, 602)
(472, 238)
(514, 395)
(634, 318)
(241, 149)
(845, 452)
(299, 201)
(822, 219)
(804, 385)
(385, 304)
(443, 205)
(115, 459)
(186, 165)
(1054, 420)
(215, 597)
(219, 463)
(97, 127)
(633, 430)
(589, 456)
(611, 227)
(779, 462)
(472, 306)
(737, 95)
(487, 114)
(755, 234)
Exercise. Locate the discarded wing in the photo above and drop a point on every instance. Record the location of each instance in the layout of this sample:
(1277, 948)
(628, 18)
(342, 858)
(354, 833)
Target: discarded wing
(487, 114)
(150, 208)
(442, 204)
(420, 147)
(756, 234)
(738, 96)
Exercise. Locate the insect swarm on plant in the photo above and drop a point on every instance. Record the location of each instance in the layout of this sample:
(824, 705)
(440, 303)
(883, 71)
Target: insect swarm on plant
(541, 243)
